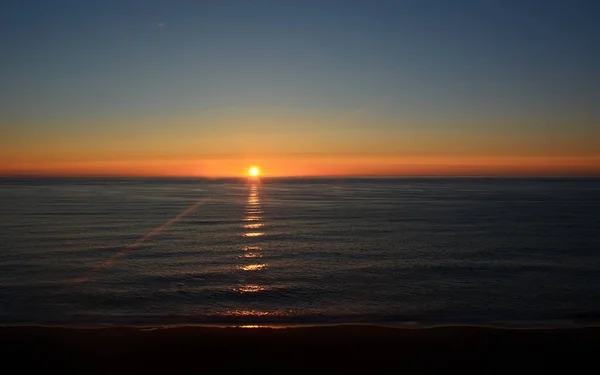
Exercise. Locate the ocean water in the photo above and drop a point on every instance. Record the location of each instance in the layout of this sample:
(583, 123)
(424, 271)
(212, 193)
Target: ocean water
(299, 251)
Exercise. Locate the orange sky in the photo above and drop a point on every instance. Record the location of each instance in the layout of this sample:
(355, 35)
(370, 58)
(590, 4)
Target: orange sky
(306, 145)
(318, 166)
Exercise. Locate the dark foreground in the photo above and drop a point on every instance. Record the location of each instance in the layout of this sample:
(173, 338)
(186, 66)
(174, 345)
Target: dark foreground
(336, 349)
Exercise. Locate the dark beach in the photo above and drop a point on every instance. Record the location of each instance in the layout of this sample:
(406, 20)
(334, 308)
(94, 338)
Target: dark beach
(337, 349)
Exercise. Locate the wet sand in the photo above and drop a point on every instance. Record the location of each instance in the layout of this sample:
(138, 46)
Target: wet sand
(335, 349)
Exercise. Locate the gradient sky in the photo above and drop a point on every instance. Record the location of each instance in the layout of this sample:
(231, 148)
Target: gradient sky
(323, 87)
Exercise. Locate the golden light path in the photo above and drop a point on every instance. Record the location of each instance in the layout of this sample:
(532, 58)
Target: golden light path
(253, 224)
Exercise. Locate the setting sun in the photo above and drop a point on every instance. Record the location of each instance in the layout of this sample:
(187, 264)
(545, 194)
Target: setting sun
(254, 172)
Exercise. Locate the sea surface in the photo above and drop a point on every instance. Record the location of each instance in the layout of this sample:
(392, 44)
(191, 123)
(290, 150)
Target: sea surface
(130, 252)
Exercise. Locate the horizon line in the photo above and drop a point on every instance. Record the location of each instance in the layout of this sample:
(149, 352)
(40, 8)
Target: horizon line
(15, 176)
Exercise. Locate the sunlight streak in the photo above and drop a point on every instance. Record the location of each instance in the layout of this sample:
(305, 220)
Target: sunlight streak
(141, 240)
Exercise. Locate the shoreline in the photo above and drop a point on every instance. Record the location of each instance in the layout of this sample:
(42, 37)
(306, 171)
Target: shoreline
(339, 348)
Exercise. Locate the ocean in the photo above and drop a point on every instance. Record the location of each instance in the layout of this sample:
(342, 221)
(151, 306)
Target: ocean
(299, 251)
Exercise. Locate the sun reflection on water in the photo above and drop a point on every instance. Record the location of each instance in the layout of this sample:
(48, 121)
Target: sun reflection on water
(249, 313)
(253, 234)
(253, 213)
(253, 267)
(251, 248)
(255, 313)
(253, 221)
(252, 218)
(253, 226)
(250, 288)
(251, 252)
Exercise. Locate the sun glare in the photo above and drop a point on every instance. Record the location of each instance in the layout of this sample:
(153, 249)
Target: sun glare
(253, 172)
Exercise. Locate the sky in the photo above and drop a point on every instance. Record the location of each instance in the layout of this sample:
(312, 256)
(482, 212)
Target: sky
(299, 88)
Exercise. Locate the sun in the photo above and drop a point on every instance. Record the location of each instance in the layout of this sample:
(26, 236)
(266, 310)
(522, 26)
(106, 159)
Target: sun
(253, 171)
